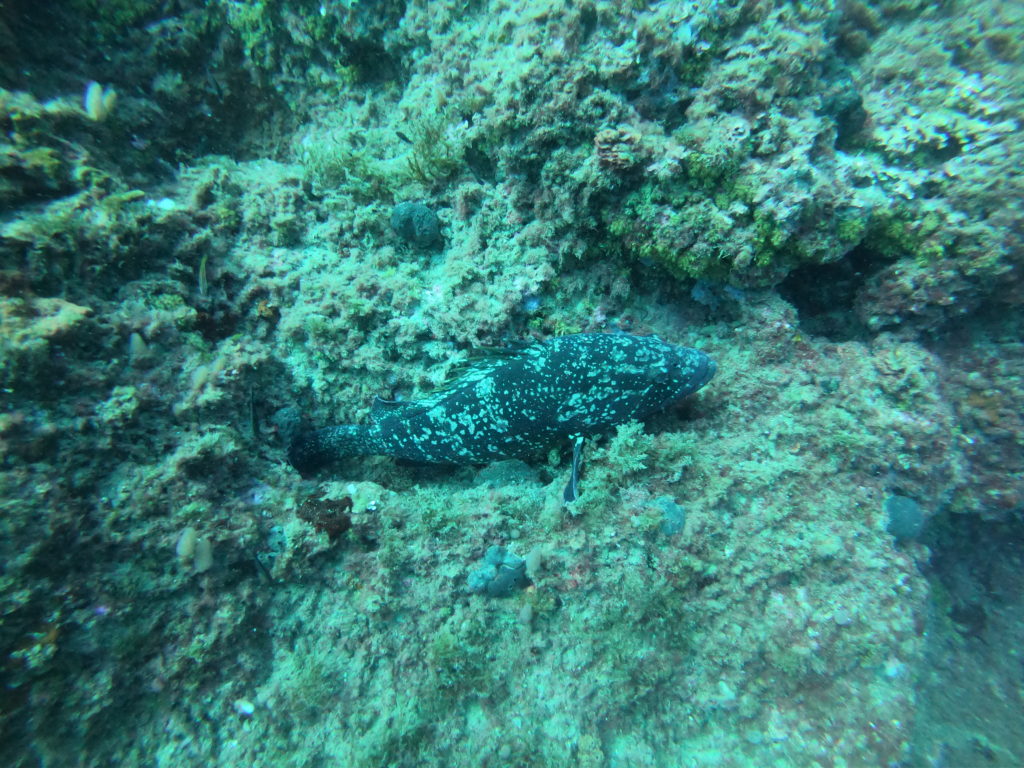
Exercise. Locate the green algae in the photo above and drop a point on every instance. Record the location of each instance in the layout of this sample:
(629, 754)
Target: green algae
(769, 630)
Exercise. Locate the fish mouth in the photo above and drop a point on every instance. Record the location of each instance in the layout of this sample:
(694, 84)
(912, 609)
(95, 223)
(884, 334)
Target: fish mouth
(706, 369)
(707, 372)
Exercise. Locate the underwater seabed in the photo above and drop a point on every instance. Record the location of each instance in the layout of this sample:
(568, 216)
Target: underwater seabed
(224, 224)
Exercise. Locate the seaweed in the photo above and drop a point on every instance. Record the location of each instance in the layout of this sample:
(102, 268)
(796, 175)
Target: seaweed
(433, 157)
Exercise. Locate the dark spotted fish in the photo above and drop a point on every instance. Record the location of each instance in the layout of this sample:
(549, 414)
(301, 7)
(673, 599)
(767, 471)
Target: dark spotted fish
(523, 401)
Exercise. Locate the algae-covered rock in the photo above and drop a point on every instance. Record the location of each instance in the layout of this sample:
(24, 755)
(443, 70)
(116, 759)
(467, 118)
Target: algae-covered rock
(826, 197)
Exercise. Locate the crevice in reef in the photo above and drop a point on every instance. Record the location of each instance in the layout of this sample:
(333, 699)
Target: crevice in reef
(966, 696)
(824, 294)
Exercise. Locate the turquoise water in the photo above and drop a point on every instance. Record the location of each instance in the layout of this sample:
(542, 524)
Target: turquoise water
(227, 225)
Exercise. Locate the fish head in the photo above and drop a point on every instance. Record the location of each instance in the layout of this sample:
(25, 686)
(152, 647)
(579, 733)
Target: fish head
(682, 372)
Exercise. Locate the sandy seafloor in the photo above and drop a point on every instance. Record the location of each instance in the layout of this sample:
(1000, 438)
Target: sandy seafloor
(814, 561)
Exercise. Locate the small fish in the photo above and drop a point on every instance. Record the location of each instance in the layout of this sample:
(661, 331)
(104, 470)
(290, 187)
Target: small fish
(520, 402)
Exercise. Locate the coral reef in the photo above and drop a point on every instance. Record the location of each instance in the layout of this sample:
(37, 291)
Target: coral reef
(824, 197)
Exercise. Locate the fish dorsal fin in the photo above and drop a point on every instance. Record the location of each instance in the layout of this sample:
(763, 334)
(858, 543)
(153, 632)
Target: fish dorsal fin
(381, 408)
(479, 366)
(481, 362)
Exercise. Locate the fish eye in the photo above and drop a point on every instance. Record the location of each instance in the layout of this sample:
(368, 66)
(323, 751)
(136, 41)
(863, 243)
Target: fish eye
(664, 373)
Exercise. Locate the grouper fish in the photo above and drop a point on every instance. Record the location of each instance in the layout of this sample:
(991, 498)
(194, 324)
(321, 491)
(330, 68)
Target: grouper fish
(519, 402)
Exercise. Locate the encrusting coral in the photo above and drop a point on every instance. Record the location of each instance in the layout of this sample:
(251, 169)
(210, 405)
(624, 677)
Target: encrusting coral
(824, 198)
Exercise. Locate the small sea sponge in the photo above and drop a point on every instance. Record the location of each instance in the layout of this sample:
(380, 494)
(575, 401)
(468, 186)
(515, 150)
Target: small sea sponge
(501, 574)
(98, 102)
(330, 516)
(618, 149)
(906, 518)
(674, 516)
(416, 223)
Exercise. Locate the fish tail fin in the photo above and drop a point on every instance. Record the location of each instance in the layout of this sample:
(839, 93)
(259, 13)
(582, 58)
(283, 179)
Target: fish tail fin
(313, 450)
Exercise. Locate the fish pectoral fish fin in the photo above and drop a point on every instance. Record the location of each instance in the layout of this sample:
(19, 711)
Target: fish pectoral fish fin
(571, 492)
